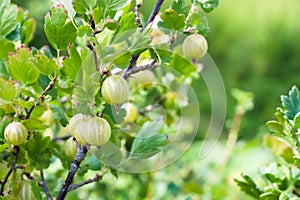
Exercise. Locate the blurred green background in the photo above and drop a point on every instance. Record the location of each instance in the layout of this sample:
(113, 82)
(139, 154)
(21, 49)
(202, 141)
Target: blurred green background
(256, 46)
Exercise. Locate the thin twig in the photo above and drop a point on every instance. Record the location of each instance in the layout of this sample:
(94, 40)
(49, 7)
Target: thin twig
(98, 177)
(42, 97)
(92, 49)
(11, 169)
(151, 65)
(152, 16)
(81, 153)
(44, 186)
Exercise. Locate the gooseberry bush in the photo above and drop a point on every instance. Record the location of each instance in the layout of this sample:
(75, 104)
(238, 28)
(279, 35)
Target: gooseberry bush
(108, 96)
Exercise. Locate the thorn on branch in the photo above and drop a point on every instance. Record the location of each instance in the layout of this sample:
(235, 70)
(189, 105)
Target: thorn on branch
(137, 16)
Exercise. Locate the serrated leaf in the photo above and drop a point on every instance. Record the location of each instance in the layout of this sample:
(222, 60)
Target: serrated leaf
(209, 5)
(72, 63)
(21, 68)
(68, 5)
(172, 20)
(113, 4)
(297, 121)
(59, 115)
(82, 6)
(291, 103)
(249, 186)
(180, 7)
(58, 31)
(199, 22)
(149, 141)
(8, 18)
(84, 95)
(6, 47)
(7, 91)
(37, 151)
(27, 31)
(45, 65)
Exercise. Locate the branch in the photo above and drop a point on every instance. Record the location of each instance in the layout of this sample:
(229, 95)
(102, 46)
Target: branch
(81, 153)
(151, 65)
(44, 186)
(42, 97)
(154, 12)
(152, 16)
(98, 177)
(90, 46)
(11, 169)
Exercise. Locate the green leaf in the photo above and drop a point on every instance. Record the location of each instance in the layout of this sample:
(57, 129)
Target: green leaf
(199, 22)
(141, 42)
(93, 163)
(248, 186)
(297, 121)
(172, 20)
(38, 152)
(82, 6)
(27, 30)
(113, 4)
(117, 117)
(180, 7)
(68, 5)
(111, 24)
(6, 47)
(291, 103)
(45, 65)
(84, 95)
(275, 127)
(21, 68)
(126, 29)
(3, 147)
(114, 172)
(34, 124)
(36, 189)
(58, 31)
(72, 63)
(148, 141)
(59, 115)
(209, 5)
(7, 92)
(182, 65)
(8, 18)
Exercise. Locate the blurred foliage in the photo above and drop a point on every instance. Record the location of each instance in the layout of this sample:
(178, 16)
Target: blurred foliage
(254, 46)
